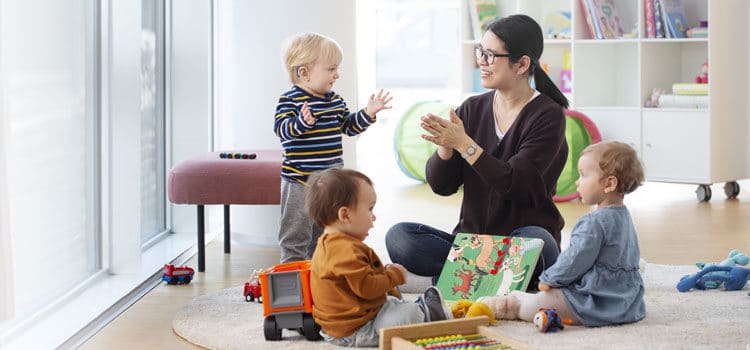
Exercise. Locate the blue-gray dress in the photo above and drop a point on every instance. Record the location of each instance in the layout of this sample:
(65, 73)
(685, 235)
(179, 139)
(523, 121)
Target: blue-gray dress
(598, 272)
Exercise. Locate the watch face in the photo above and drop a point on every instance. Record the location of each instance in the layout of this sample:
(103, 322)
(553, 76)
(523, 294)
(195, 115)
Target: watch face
(470, 151)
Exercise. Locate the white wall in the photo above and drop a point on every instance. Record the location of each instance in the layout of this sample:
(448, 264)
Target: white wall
(189, 91)
(250, 77)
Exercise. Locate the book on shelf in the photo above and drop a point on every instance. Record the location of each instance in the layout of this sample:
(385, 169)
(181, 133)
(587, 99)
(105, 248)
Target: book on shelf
(557, 25)
(587, 7)
(689, 89)
(648, 9)
(674, 12)
(608, 18)
(658, 21)
(485, 265)
(683, 101)
(697, 32)
(481, 12)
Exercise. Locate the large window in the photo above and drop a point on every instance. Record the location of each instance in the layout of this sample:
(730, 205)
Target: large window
(416, 58)
(153, 221)
(49, 99)
(416, 43)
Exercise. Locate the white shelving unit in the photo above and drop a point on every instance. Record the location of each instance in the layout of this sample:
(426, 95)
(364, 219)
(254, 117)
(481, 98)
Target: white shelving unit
(613, 78)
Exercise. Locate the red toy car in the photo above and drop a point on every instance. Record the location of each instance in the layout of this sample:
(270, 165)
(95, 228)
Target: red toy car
(252, 288)
(177, 275)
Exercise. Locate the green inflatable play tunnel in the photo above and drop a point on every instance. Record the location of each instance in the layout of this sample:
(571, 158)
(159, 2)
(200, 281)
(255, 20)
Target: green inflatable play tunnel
(580, 132)
(412, 151)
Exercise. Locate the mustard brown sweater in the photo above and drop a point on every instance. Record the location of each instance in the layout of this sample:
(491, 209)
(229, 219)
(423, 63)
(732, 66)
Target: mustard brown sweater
(349, 284)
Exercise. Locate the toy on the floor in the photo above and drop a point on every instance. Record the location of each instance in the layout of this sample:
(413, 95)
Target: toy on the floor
(467, 308)
(177, 275)
(735, 278)
(288, 300)
(458, 342)
(548, 321)
(252, 288)
(734, 258)
(226, 155)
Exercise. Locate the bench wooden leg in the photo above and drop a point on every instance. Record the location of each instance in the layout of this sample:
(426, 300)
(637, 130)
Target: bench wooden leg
(226, 228)
(201, 239)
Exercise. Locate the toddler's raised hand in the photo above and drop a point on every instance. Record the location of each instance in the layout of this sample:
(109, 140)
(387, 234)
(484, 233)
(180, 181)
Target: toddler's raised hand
(378, 103)
(307, 114)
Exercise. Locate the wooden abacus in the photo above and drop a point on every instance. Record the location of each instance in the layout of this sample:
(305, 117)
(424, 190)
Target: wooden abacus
(473, 328)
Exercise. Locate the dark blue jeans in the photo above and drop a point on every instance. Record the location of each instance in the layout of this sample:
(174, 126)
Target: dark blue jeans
(422, 249)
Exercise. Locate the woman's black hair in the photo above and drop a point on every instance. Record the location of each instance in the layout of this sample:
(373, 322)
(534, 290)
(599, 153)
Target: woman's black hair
(523, 36)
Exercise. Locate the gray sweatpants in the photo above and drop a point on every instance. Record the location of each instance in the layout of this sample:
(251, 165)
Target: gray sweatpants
(395, 312)
(298, 235)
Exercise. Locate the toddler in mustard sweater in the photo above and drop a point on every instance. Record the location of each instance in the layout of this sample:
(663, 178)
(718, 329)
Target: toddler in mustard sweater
(354, 294)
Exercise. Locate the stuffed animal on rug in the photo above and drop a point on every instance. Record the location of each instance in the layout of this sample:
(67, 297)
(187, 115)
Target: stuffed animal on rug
(468, 308)
(548, 321)
(734, 258)
(735, 278)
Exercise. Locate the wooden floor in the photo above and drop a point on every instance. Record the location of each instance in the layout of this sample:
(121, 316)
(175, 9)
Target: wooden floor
(673, 228)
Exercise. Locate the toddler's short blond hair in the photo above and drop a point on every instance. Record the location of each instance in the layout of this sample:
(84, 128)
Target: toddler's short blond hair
(619, 160)
(307, 48)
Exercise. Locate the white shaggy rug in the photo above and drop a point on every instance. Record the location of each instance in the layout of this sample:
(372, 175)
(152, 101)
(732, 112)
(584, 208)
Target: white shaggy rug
(714, 319)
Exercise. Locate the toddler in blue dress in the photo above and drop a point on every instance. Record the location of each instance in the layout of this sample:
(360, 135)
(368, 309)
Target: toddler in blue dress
(595, 281)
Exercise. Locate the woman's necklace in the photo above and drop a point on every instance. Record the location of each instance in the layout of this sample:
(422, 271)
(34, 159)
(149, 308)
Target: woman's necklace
(505, 118)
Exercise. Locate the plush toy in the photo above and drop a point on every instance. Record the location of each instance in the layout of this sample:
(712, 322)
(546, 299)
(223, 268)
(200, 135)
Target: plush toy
(468, 308)
(702, 78)
(734, 258)
(548, 321)
(735, 278)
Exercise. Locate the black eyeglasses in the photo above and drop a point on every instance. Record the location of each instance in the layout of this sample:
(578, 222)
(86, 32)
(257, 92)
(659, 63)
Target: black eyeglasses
(489, 56)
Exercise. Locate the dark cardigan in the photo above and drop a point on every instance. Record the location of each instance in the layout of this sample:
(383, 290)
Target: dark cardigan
(512, 183)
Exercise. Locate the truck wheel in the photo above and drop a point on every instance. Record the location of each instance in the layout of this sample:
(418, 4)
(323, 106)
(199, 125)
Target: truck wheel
(187, 280)
(271, 329)
(310, 328)
(260, 299)
(249, 297)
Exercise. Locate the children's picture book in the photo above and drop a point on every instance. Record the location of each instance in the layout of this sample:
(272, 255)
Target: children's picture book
(648, 15)
(481, 12)
(690, 89)
(674, 13)
(660, 31)
(608, 18)
(483, 265)
(557, 25)
(589, 12)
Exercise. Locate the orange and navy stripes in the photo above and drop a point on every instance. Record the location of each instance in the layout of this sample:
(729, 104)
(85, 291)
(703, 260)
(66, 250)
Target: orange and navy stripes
(309, 148)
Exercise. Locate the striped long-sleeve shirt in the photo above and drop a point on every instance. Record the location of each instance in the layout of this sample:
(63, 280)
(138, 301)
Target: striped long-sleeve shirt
(309, 148)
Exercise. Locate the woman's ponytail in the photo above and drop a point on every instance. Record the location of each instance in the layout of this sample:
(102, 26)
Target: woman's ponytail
(545, 85)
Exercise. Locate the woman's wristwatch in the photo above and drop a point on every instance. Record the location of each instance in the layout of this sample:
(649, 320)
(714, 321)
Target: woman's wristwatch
(470, 150)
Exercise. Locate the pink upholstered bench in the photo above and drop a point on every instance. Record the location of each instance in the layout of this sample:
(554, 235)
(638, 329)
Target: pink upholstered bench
(209, 179)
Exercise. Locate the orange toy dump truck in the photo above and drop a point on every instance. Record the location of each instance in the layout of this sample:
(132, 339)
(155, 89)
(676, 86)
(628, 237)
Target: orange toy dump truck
(287, 301)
